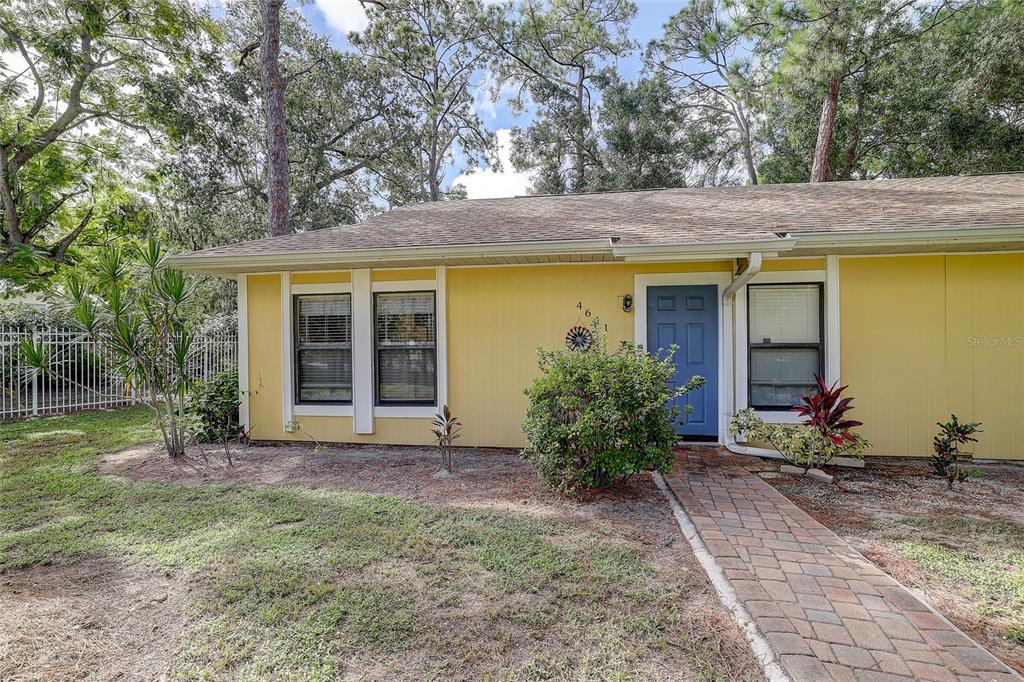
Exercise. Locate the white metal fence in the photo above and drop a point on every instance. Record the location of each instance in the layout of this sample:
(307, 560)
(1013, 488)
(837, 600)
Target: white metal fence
(84, 382)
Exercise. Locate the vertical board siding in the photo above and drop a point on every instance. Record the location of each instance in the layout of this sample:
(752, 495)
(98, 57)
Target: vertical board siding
(498, 317)
(265, 387)
(926, 336)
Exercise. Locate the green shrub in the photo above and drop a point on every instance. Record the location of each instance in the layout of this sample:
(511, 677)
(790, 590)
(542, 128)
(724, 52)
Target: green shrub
(212, 408)
(947, 459)
(825, 434)
(595, 418)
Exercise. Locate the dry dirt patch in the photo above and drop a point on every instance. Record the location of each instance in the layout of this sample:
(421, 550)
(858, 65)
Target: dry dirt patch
(484, 478)
(635, 515)
(89, 620)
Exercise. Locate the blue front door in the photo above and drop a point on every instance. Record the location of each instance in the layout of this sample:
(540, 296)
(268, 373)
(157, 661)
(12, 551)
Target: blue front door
(687, 316)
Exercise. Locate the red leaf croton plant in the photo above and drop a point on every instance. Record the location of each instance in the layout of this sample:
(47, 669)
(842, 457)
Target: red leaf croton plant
(825, 434)
(825, 410)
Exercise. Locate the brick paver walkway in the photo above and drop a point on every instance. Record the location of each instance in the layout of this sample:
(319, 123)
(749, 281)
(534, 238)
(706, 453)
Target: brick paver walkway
(829, 613)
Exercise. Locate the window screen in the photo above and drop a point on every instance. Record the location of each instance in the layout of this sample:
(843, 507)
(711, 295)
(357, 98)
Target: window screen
(323, 348)
(785, 327)
(406, 332)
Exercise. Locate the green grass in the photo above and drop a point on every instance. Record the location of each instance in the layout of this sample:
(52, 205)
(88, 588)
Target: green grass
(311, 584)
(981, 559)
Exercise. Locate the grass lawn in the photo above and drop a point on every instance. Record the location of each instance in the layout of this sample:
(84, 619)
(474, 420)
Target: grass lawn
(291, 582)
(963, 548)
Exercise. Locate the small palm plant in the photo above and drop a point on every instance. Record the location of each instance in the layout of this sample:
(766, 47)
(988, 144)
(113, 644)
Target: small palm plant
(130, 307)
(446, 429)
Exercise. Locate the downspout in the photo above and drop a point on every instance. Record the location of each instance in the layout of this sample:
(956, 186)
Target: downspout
(753, 267)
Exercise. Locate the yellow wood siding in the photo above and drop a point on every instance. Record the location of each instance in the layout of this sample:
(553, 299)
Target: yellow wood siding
(788, 264)
(265, 380)
(321, 277)
(402, 275)
(497, 317)
(920, 337)
(925, 336)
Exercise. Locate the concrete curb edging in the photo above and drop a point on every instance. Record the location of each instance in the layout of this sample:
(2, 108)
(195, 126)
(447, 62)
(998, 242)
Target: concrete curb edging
(755, 637)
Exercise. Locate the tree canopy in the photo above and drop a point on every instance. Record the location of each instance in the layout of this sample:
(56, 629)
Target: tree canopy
(124, 119)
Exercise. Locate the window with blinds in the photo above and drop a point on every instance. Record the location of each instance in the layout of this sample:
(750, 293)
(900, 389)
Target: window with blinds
(405, 340)
(785, 331)
(323, 348)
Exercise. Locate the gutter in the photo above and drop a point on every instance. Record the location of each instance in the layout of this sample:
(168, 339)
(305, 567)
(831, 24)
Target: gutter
(754, 262)
(705, 250)
(939, 236)
(200, 262)
(225, 264)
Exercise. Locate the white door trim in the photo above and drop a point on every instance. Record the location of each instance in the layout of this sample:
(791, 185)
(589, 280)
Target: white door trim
(721, 280)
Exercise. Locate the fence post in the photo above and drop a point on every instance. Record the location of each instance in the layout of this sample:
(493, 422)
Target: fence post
(35, 375)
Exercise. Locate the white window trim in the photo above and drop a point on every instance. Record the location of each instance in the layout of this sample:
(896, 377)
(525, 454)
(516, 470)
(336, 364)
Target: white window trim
(362, 353)
(439, 286)
(362, 410)
(292, 410)
(725, 331)
(405, 285)
(830, 278)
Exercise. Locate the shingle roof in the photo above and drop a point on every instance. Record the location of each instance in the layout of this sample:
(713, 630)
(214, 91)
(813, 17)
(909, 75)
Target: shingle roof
(674, 216)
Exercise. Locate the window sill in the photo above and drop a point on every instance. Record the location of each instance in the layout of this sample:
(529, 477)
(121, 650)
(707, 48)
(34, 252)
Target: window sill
(405, 411)
(779, 417)
(322, 410)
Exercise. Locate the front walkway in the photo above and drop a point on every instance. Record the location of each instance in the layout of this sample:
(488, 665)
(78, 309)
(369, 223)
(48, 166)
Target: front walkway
(827, 612)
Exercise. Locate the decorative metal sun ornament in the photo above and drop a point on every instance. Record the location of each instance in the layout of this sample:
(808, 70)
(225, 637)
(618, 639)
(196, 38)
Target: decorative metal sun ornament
(579, 338)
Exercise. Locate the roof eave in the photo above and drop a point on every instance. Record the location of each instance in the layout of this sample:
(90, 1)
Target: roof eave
(703, 250)
(229, 265)
(896, 237)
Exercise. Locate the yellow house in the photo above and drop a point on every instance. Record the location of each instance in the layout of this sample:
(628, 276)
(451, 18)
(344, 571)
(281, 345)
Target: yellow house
(909, 291)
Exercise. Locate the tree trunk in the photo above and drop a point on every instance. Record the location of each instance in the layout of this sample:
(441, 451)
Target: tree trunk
(853, 148)
(827, 122)
(277, 134)
(748, 158)
(579, 155)
(826, 126)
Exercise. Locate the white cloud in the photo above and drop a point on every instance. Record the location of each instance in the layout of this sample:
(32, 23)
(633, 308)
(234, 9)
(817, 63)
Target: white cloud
(344, 16)
(490, 184)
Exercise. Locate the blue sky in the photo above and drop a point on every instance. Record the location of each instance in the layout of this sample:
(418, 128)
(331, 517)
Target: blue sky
(335, 18)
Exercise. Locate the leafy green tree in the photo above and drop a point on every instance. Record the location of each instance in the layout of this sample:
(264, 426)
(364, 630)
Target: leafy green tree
(819, 45)
(706, 54)
(649, 140)
(432, 47)
(947, 101)
(74, 81)
(557, 55)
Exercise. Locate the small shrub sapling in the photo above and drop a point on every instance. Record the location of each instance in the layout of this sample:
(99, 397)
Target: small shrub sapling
(212, 411)
(948, 458)
(447, 428)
